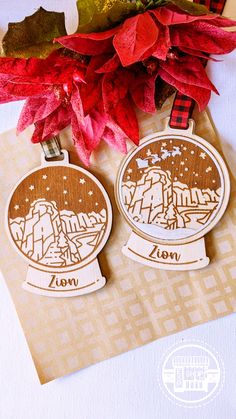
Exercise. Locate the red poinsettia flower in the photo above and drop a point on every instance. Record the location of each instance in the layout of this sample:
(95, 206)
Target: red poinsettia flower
(96, 98)
(174, 39)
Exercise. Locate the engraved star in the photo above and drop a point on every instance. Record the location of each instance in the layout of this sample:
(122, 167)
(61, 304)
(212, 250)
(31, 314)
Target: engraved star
(182, 163)
(31, 187)
(26, 199)
(163, 144)
(65, 192)
(82, 181)
(209, 169)
(16, 207)
(202, 155)
(90, 193)
(184, 148)
(129, 171)
(44, 177)
(196, 174)
(186, 169)
(148, 153)
(181, 174)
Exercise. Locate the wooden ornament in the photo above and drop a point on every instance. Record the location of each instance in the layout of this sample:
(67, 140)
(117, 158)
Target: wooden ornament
(172, 190)
(59, 218)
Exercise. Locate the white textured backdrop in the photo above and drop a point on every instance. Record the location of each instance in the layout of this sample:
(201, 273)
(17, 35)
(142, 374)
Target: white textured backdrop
(126, 386)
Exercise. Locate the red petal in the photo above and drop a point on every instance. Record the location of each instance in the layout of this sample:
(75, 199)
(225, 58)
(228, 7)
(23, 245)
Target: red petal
(135, 37)
(161, 46)
(125, 117)
(91, 95)
(142, 90)
(6, 97)
(115, 87)
(15, 86)
(115, 137)
(111, 65)
(174, 16)
(188, 70)
(89, 43)
(199, 54)
(199, 94)
(35, 109)
(203, 36)
(52, 124)
(77, 105)
(223, 22)
(87, 136)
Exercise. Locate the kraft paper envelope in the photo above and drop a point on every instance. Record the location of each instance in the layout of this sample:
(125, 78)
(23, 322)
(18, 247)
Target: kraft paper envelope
(139, 304)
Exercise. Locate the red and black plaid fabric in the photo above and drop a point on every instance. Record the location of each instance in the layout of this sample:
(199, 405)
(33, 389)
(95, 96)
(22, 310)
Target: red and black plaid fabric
(216, 6)
(183, 106)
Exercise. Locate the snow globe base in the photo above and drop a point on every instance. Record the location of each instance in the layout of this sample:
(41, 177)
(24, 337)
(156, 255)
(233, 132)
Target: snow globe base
(65, 284)
(172, 257)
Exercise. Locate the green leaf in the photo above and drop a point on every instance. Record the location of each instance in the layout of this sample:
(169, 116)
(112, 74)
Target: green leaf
(33, 37)
(191, 8)
(99, 16)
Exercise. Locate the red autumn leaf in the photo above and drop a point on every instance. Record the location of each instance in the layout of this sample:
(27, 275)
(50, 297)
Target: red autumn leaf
(204, 37)
(135, 37)
(143, 92)
(189, 70)
(35, 109)
(89, 43)
(199, 94)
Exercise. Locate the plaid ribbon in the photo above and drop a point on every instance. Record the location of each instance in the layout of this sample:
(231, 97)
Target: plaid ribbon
(183, 106)
(52, 147)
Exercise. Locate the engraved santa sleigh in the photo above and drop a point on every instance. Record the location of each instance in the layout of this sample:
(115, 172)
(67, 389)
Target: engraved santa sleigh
(172, 190)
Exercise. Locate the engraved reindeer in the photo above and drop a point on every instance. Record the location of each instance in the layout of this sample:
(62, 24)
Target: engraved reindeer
(155, 158)
(176, 151)
(165, 153)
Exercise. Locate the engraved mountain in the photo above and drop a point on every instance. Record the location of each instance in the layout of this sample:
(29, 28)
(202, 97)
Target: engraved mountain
(168, 209)
(57, 238)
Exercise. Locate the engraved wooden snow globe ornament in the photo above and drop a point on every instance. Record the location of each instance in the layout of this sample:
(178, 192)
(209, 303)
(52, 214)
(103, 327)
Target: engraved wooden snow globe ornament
(59, 218)
(172, 190)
